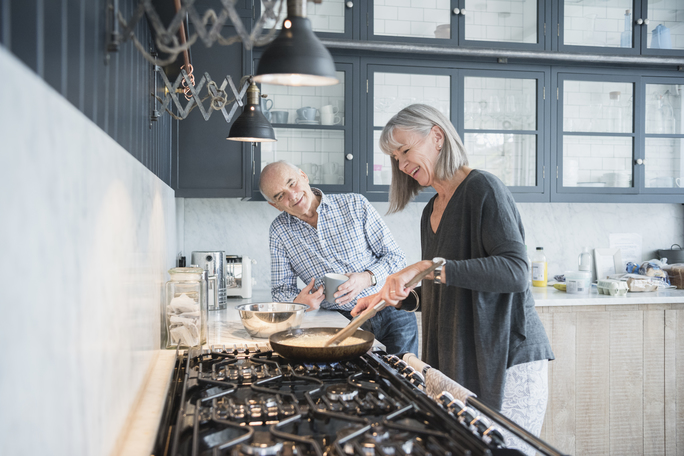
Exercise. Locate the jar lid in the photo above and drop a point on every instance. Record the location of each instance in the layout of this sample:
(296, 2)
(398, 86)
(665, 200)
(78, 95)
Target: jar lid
(178, 274)
(577, 275)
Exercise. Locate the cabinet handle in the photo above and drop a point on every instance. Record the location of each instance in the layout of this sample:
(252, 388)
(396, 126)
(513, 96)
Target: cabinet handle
(640, 21)
(457, 11)
(646, 21)
(350, 4)
(639, 161)
(350, 157)
(462, 11)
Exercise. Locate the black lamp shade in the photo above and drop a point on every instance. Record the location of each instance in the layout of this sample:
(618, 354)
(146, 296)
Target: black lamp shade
(296, 57)
(251, 126)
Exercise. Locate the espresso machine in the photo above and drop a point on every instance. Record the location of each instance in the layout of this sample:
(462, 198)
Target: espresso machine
(213, 262)
(239, 280)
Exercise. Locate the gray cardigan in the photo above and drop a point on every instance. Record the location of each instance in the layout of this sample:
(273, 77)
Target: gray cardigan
(483, 320)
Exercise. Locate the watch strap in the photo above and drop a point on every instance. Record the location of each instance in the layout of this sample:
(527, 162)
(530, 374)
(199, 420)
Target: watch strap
(374, 280)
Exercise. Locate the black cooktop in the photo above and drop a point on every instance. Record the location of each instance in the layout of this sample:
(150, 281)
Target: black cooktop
(250, 401)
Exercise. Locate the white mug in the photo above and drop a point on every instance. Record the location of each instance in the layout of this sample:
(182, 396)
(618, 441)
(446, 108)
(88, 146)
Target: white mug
(329, 168)
(328, 118)
(330, 109)
(330, 179)
(311, 169)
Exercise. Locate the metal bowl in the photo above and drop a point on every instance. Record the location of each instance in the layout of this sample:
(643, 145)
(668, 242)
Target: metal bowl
(265, 318)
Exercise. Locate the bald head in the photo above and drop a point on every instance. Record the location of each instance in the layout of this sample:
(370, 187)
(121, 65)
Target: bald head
(270, 171)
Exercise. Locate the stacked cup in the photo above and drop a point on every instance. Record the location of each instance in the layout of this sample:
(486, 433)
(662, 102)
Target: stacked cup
(328, 115)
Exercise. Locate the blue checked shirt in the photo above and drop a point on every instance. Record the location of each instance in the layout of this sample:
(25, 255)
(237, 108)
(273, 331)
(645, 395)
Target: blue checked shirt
(351, 237)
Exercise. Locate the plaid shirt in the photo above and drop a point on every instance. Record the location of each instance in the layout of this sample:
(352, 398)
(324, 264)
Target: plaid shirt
(351, 237)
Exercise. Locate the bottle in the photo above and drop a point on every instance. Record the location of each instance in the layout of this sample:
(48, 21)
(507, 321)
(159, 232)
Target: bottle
(539, 268)
(626, 36)
(584, 260)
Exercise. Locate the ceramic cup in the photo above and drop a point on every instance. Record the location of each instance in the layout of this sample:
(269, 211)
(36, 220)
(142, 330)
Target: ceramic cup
(280, 117)
(329, 168)
(331, 282)
(311, 170)
(329, 109)
(307, 113)
(266, 105)
(328, 118)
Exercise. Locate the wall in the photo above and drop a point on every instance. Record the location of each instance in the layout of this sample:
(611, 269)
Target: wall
(64, 42)
(241, 227)
(87, 235)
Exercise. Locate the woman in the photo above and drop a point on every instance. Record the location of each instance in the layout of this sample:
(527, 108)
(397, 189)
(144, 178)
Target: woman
(480, 326)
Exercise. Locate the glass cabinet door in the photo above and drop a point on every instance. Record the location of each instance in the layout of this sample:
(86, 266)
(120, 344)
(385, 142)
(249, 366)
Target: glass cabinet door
(312, 130)
(331, 17)
(596, 135)
(392, 89)
(664, 139)
(506, 22)
(598, 24)
(664, 27)
(500, 125)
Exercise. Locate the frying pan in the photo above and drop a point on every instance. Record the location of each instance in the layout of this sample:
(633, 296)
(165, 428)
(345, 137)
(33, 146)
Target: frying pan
(322, 354)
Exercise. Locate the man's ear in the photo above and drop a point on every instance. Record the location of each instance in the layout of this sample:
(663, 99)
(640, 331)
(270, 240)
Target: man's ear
(273, 204)
(304, 176)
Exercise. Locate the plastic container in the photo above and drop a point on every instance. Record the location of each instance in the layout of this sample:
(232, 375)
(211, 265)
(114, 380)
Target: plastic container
(577, 282)
(185, 309)
(539, 268)
(584, 260)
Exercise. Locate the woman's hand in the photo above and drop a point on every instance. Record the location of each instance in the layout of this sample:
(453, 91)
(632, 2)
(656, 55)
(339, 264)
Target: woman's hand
(349, 290)
(394, 290)
(311, 298)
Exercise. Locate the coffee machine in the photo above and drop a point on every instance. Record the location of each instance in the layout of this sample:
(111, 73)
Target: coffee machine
(239, 280)
(214, 263)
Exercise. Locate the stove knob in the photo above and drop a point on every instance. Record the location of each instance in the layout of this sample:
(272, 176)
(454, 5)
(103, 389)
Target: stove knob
(416, 378)
(496, 436)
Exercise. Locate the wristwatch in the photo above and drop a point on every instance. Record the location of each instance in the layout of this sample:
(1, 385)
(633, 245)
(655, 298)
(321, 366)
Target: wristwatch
(438, 269)
(374, 281)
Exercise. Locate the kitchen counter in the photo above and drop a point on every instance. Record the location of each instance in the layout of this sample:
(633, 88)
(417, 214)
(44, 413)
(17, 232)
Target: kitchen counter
(549, 297)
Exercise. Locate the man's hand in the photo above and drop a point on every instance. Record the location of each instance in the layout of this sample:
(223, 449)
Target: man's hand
(309, 297)
(349, 290)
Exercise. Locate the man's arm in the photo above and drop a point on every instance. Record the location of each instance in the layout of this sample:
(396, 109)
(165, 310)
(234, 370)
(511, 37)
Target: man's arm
(283, 278)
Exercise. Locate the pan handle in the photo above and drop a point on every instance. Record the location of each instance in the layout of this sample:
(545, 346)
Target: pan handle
(369, 313)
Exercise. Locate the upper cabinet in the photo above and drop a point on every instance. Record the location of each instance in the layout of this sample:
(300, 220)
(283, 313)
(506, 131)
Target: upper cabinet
(504, 23)
(619, 138)
(330, 18)
(654, 27)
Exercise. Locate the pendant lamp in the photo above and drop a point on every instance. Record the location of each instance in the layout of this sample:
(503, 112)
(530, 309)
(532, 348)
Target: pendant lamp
(296, 57)
(252, 126)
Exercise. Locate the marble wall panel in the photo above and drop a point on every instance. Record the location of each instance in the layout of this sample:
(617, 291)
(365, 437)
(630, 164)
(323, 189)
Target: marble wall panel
(87, 236)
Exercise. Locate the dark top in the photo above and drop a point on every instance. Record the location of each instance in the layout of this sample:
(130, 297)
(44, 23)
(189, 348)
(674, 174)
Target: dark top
(483, 320)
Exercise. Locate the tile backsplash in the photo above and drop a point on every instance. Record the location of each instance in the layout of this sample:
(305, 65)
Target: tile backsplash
(88, 234)
(241, 227)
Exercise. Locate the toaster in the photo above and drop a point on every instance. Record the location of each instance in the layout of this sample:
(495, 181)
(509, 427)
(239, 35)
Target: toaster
(239, 280)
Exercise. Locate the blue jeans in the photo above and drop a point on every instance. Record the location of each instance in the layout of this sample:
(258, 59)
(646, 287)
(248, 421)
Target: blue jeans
(396, 329)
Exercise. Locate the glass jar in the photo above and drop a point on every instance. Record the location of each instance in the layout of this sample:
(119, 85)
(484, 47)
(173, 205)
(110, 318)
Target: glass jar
(185, 308)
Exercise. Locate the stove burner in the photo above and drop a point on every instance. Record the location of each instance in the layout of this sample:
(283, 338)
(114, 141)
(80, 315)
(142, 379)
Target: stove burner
(341, 391)
(262, 445)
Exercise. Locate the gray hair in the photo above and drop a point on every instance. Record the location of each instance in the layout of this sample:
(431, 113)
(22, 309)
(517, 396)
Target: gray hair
(420, 118)
(267, 168)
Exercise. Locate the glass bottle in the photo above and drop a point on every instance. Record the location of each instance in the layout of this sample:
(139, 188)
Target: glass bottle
(185, 309)
(584, 260)
(626, 35)
(539, 268)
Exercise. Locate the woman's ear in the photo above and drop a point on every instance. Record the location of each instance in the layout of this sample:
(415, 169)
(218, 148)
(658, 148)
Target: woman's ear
(439, 136)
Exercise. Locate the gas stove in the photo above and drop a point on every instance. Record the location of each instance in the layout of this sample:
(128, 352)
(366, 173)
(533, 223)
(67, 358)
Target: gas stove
(249, 401)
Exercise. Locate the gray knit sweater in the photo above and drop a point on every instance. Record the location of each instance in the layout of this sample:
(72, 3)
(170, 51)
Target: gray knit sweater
(483, 320)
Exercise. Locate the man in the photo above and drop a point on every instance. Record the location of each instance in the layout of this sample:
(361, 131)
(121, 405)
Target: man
(316, 234)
